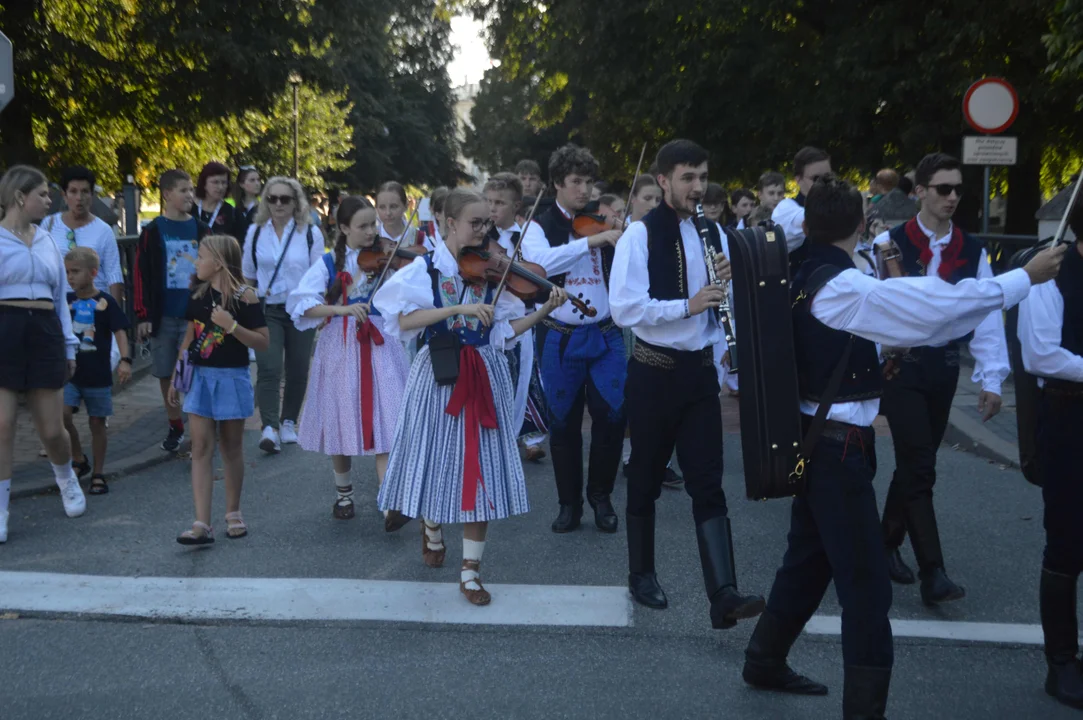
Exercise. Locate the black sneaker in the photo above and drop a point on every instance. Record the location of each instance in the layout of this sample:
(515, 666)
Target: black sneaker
(673, 480)
(173, 440)
(81, 468)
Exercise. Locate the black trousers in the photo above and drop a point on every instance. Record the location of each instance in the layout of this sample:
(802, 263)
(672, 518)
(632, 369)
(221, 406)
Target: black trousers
(669, 409)
(835, 535)
(1060, 430)
(917, 404)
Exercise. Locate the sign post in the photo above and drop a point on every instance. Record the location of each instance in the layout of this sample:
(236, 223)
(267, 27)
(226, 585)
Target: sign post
(7, 72)
(990, 106)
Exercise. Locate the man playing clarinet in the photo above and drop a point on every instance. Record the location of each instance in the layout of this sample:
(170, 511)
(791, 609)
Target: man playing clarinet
(660, 288)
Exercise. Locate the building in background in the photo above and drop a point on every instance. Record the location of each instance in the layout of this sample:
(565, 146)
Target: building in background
(464, 103)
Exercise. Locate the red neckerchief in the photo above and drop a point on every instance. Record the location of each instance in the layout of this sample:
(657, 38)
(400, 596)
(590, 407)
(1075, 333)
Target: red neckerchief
(950, 257)
(474, 394)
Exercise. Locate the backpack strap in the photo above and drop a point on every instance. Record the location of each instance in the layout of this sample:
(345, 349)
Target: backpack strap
(309, 235)
(255, 239)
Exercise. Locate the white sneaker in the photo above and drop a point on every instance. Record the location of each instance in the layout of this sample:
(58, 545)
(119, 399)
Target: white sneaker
(72, 495)
(289, 433)
(269, 443)
(3, 527)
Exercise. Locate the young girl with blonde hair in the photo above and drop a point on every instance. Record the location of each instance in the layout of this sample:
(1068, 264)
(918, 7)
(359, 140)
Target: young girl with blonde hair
(224, 321)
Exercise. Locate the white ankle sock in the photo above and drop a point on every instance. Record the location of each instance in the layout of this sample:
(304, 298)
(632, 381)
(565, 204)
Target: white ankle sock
(63, 472)
(434, 536)
(472, 550)
(5, 493)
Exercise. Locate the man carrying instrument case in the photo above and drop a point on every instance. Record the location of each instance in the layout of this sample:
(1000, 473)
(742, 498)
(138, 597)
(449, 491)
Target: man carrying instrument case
(838, 316)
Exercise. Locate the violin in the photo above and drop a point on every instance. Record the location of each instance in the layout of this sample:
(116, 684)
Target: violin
(525, 280)
(586, 224)
(374, 258)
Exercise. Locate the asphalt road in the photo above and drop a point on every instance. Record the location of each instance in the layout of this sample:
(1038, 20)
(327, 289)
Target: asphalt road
(666, 664)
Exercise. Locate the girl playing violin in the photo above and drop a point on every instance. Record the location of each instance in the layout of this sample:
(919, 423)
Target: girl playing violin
(454, 457)
(357, 380)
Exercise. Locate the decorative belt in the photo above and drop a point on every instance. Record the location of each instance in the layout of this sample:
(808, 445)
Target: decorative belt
(1063, 388)
(605, 326)
(668, 359)
(835, 430)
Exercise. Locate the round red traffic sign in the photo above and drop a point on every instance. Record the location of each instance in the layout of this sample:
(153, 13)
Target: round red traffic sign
(991, 105)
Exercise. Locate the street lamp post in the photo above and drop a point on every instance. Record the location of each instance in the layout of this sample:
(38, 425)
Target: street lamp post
(295, 81)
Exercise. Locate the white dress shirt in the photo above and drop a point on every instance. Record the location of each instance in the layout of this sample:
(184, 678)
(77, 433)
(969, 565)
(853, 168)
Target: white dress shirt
(95, 235)
(661, 322)
(270, 248)
(36, 273)
(907, 312)
(410, 289)
(582, 265)
(989, 345)
(312, 290)
(505, 239)
(1041, 317)
(790, 217)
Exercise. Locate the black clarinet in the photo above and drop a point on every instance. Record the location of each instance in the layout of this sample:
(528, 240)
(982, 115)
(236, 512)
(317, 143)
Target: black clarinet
(722, 312)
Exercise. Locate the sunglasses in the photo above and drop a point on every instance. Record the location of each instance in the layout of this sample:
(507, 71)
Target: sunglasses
(71, 240)
(945, 189)
(279, 199)
(247, 167)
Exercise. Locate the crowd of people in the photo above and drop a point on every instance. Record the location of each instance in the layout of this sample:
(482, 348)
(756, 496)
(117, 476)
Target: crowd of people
(377, 340)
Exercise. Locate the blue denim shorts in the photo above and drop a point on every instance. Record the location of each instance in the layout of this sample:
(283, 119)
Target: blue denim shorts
(220, 393)
(98, 401)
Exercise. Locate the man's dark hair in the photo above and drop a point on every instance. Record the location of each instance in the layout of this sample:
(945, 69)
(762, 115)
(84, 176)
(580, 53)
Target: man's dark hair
(905, 184)
(1075, 218)
(571, 160)
(76, 172)
(602, 185)
(770, 178)
(679, 152)
(505, 181)
(739, 195)
(715, 194)
(172, 178)
(833, 210)
(932, 164)
(527, 167)
(805, 157)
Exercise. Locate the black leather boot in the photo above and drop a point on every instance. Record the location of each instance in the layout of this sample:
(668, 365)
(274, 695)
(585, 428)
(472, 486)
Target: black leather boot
(1057, 601)
(605, 517)
(897, 568)
(568, 471)
(720, 577)
(864, 692)
(765, 659)
(936, 586)
(642, 582)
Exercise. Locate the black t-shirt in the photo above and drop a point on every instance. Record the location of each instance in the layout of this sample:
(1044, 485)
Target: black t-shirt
(211, 346)
(94, 321)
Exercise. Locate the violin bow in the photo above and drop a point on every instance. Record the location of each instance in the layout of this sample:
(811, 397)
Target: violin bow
(631, 188)
(1062, 228)
(515, 250)
(387, 266)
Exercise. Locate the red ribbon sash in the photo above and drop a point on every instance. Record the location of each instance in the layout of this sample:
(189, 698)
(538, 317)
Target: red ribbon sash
(474, 394)
(368, 335)
(950, 256)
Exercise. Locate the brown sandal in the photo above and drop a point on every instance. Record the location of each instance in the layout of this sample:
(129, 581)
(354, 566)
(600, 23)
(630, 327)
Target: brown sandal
(432, 558)
(480, 596)
(395, 520)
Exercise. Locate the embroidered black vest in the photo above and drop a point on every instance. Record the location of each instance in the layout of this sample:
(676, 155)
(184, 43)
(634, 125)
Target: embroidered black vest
(558, 230)
(911, 262)
(819, 348)
(1070, 283)
(666, 260)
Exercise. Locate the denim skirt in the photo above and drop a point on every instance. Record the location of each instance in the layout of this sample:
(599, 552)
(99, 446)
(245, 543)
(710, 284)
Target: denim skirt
(220, 393)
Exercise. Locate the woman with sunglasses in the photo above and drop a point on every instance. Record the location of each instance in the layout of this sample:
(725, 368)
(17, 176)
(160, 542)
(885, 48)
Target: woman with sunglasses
(245, 199)
(39, 345)
(279, 248)
(212, 210)
(454, 457)
(78, 227)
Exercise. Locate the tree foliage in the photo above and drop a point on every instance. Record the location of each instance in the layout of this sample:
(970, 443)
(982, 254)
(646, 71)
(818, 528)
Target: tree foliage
(875, 83)
(133, 86)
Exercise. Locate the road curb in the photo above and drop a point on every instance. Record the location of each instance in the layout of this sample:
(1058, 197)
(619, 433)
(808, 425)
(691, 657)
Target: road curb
(971, 436)
(145, 460)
